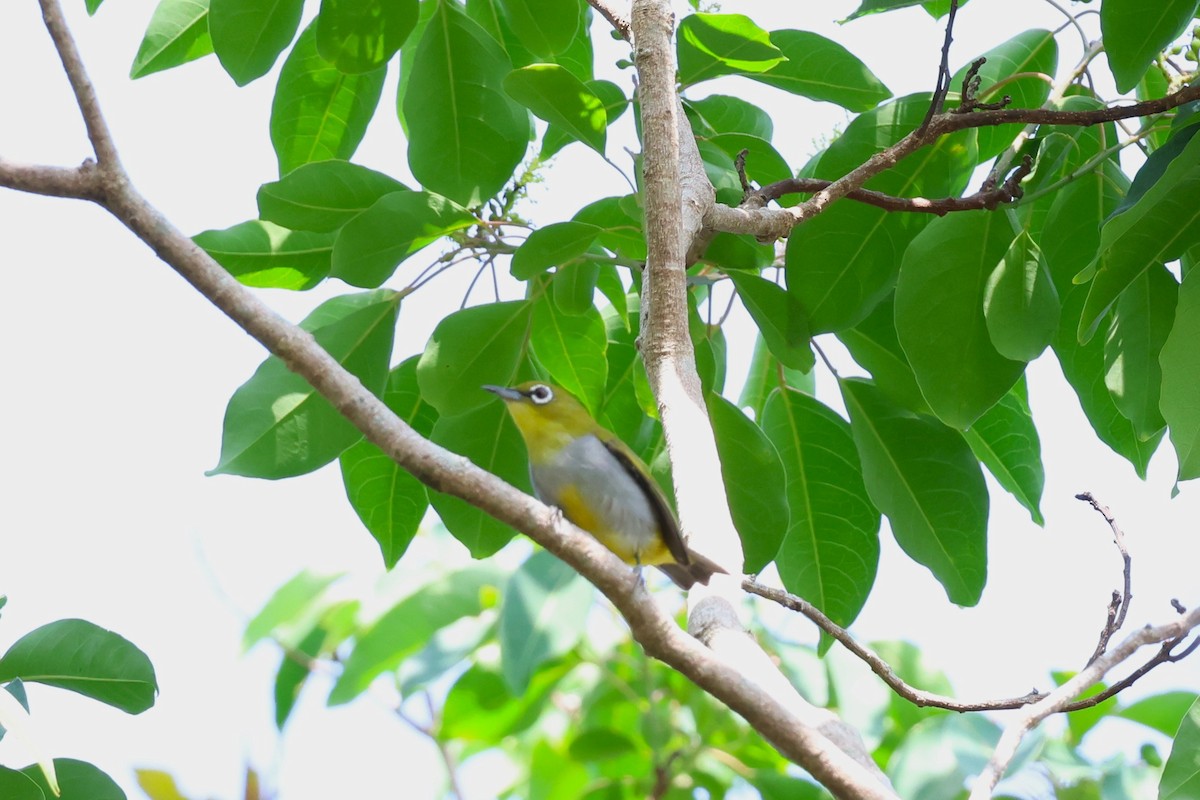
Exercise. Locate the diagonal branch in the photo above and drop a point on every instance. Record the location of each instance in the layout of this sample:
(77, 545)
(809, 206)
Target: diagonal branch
(938, 101)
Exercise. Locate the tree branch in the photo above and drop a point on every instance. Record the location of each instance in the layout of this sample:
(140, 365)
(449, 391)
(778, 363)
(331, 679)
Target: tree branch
(619, 21)
(1119, 606)
(938, 101)
(1057, 700)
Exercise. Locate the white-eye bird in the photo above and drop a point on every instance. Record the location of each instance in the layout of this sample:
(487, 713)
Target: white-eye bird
(599, 483)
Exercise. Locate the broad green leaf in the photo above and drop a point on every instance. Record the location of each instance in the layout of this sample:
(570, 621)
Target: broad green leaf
(764, 164)
(552, 245)
(875, 347)
(543, 616)
(909, 664)
(766, 374)
(574, 287)
(1081, 721)
(612, 100)
(490, 439)
(831, 552)
(821, 69)
(1141, 322)
(408, 58)
(620, 221)
(444, 651)
(1152, 171)
(1134, 33)
(720, 113)
(545, 28)
(1181, 773)
(388, 499)
(323, 195)
(600, 744)
(1070, 235)
(77, 780)
(469, 348)
(369, 247)
(552, 93)
(554, 774)
(1032, 55)
(362, 35)
(319, 112)
(776, 786)
(1161, 712)
(1020, 304)
(1157, 229)
(940, 319)
(177, 34)
(571, 347)
(942, 754)
(1180, 365)
(1006, 441)
(293, 672)
(729, 251)
(866, 7)
(754, 481)
(480, 708)
(76, 655)
(471, 135)
(407, 626)
(939, 8)
(779, 318)
(923, 476)
(293, 606)
(276, 424)
(709, 45)
(264, 255)
(248, 35)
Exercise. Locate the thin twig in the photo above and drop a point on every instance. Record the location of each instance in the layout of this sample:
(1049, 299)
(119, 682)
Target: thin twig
(619, 21)
(1072, 20)
(938, 100)
(1119, 606)
(443, 750)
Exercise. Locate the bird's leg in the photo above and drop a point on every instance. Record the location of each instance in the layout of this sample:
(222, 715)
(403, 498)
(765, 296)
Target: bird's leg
(637, 567)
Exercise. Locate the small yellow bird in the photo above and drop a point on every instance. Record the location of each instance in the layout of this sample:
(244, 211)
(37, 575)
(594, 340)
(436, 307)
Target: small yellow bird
(599, 483)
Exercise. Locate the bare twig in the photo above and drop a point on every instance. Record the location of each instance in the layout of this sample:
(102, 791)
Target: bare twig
(619, 21)
(1119, 607)
(938, 101)
(1072, 20)
(1055, 701)
(429, 733)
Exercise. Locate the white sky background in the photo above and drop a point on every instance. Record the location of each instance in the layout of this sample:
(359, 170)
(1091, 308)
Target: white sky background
(118, 375)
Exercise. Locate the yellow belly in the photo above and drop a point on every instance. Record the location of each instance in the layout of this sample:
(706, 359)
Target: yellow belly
(631, 549)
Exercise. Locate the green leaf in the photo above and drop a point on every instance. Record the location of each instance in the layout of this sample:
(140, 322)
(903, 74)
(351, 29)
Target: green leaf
(77, 780)
(490, 439)
(720, 113)
(620, 221)
(1134, 33)
(388, 499)
(471, 135)
(1020, 304)
(264, 255)
(764, 164)
(1151, 172)
(728, 251)
(542, 617)
(1161, 712)
(1032, 54)
(276, 424)
(1159, 228)
(177, 34)
(1181, 773)
(1180, 364)
(831, 552)
(874, 345)
(293, 606)
(319, 112)
(821, 69)
(293, 672)
(16, 785)
(369, 247)
(600, 744)
(323, 195)
(470, 348)
(1006, 441)
(480, 708)
(574, 287)
(612, 100)
(547, 29)
(362, 35)
(552, 93)
(709, 45)
(409, 624)
(552, 245)
(76, 655)
(764, 376)
(571, 347)
(866, 7)
(754, 480)
(779, 318)
(926, 480)
(1141, 323)
(940, 319)
(248, 35)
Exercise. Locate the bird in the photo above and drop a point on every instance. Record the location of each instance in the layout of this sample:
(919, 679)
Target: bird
(599, 483)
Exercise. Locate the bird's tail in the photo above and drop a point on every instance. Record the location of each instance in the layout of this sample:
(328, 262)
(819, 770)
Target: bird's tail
(698, 570)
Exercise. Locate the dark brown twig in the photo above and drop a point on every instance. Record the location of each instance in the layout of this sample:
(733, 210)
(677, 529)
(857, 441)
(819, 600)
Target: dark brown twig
(739, 163)
(969, 101)
(1119, 606)
(938, 101)
(619, 21)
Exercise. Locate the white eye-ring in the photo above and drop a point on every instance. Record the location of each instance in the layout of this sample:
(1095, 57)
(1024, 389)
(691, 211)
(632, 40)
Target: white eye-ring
(540, 394)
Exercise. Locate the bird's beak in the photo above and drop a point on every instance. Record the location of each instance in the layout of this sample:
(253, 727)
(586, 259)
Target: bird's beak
(504, 392)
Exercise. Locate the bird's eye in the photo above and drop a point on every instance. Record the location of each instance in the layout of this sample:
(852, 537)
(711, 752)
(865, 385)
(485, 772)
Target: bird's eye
(541, 394)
